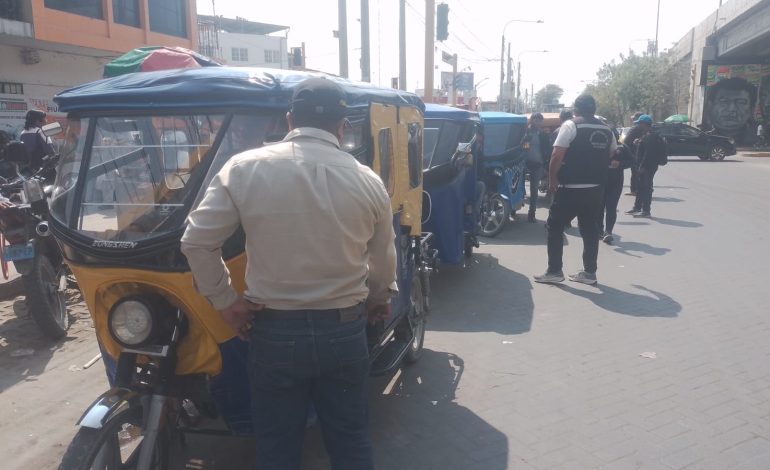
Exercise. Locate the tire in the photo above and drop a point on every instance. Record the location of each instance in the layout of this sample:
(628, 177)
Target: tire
(122, 433)
(717, 153)
(418, 317)
(45, 296)
(495, 214)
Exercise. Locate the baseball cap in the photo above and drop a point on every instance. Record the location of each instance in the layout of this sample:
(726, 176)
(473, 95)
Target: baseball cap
(320, 98)
(643, 118)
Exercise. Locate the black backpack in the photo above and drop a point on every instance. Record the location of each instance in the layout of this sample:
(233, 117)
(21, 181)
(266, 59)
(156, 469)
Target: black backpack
(656, 148)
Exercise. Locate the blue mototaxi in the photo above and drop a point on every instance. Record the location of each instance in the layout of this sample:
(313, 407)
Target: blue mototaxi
(503, 162)
(450, 181)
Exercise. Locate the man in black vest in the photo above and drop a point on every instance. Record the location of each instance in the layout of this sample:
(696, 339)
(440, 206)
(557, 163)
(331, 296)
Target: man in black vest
(577, 174)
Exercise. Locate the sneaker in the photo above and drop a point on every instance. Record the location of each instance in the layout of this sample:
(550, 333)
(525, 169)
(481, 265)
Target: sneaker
(633, 211)
(631, 193)
(607, 238)
(646, 215)
(583, 277)
(550, 278)
(531, 217)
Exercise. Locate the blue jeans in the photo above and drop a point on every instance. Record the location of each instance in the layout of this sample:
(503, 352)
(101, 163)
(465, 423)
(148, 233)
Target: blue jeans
(303, 357)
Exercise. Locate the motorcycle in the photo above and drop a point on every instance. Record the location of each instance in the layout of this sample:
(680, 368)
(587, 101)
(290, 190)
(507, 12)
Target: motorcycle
(34, 253)
(149, 143)
(504, 169)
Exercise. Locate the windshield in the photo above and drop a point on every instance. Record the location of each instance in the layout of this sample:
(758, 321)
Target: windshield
(500, 138)
(441, 139)
(140, 176)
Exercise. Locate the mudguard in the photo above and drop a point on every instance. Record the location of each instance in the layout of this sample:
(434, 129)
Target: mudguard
(109, 403)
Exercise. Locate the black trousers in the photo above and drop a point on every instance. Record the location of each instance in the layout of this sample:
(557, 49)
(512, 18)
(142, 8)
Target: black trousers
(644, 191)
(535, 171)
(586, 204)
(612, 193)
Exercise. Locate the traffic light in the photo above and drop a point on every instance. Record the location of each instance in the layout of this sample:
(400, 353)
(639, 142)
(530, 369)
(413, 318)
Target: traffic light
(442, 22)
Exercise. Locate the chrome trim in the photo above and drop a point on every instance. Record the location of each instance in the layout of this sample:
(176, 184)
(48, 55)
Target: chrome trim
(109, 403)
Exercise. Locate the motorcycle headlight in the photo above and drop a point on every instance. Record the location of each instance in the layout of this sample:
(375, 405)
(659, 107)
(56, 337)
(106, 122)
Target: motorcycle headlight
(498, 172)
(131, 322)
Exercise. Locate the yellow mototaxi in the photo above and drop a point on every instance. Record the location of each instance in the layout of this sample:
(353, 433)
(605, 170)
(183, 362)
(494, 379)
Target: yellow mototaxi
(141, 151)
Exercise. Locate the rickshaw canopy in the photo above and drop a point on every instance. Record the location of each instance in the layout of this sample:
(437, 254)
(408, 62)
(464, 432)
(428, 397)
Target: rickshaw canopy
(223, 87)
(497, 117)
(437, 111)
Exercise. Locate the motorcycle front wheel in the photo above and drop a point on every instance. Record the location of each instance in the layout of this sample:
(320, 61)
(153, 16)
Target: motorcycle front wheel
(45, 289)
(115, 446)
(494, 214)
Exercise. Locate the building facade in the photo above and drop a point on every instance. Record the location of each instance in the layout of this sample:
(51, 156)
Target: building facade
(243, 43)
(47, 46)
(726, 59)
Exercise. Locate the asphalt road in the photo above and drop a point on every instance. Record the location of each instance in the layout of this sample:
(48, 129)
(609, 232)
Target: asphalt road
(664, 365)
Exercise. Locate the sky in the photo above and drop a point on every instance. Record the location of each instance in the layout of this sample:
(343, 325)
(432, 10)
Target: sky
(579, 36)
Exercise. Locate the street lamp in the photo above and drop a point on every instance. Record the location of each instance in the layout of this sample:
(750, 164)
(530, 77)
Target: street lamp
(518, 73)
(502, 58)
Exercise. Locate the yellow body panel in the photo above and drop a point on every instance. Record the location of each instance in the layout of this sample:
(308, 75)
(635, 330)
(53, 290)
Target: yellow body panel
(412, 197)
(198, 351)
(403, 198)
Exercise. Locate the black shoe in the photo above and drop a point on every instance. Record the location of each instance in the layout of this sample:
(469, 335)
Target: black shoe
(633, 211)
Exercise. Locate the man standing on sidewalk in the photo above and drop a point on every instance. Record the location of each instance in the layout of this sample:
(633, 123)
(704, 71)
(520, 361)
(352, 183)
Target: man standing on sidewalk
(535, 142)
(321, 255)
(649, 148)
(634, 133)
(577, 173)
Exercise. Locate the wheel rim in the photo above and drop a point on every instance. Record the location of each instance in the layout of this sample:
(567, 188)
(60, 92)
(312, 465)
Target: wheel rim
(494, 215)
(55, 285)
(718, 153)
(418, 315)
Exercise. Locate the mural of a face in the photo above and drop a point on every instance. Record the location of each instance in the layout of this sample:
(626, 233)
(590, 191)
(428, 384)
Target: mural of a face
(730, 110)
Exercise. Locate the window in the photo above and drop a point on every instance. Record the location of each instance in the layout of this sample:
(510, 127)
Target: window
(11, 88)
(89, 8)
(126, 12)
(688, 131)
(168, 17)
(386, 158)
(240, 54)
(414, 149)
(273, 57)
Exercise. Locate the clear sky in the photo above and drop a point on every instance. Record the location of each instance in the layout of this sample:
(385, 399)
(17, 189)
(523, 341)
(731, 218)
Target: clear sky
(580, 36)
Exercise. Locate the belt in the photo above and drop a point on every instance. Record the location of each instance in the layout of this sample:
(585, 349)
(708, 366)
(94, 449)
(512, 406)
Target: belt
(344, 315)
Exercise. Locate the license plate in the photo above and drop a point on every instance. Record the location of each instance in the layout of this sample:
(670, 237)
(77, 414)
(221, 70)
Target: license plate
(18, 252)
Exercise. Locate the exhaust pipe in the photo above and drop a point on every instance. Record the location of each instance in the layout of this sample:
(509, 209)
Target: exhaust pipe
(42, 229)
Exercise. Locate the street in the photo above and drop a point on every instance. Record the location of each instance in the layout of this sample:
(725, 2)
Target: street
(664, 365)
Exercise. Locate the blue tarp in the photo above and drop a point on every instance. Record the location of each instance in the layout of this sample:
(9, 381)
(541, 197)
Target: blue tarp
(438, 111)
(496, 117)
(214, 87)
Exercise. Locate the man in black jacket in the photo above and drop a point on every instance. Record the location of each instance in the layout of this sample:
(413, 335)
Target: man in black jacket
(535, 143)
(577, 174)
(646, 167)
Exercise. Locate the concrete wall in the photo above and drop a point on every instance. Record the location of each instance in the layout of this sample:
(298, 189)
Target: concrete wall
(256, 45)
(690, 48)
(53, 73)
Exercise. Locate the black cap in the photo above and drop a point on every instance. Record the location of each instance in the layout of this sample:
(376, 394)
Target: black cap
(319, 98)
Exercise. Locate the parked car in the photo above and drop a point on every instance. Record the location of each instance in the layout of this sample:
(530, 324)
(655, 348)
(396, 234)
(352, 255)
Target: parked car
(684, 140)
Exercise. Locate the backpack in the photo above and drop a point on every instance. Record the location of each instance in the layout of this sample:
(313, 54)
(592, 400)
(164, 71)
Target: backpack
(656, 148)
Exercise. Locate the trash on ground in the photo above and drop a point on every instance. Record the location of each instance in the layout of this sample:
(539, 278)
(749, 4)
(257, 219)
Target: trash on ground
(649, 355)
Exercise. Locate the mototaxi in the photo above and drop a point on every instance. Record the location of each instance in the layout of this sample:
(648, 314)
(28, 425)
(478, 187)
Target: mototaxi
(450, 181)
(504, 163)
(144, 148)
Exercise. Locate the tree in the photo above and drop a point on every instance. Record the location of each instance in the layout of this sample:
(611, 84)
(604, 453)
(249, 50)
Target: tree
(636, 83)
(549, 94)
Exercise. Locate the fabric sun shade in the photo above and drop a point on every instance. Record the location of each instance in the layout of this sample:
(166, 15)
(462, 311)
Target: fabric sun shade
(146, 59)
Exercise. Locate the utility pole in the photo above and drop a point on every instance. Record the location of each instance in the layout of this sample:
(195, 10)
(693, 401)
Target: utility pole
(502, 72)
(342, 34)
(509, 85)
(518, 84)
(402, 45)
(454, 80)
(430, 32)
(657, 24)
(365, 56)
